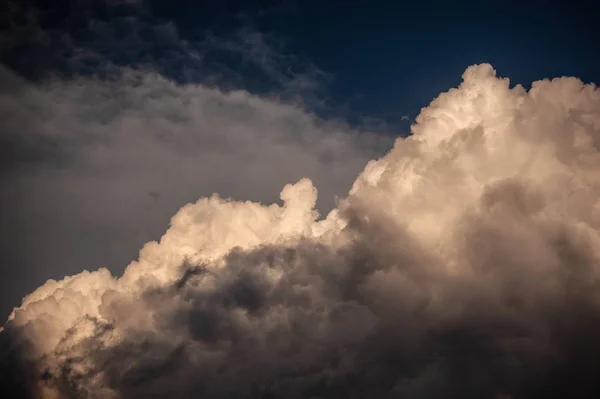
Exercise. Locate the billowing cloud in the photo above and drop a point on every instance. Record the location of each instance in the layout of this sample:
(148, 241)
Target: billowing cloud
(464, 263)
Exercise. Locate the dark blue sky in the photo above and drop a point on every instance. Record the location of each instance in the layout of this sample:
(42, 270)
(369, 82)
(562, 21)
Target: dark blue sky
(381, 59)
(388, 59)
(391, 59)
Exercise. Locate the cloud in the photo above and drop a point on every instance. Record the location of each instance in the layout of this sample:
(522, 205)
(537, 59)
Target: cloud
(464, 263)
(82, 157)
(114, 116)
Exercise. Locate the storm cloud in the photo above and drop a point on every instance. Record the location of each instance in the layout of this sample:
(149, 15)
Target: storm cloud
(463, 263)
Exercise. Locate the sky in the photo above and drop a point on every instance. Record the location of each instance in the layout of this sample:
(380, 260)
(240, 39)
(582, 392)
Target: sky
(403, 168)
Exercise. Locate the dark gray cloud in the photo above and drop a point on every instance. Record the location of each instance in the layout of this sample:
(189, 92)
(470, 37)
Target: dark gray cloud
(366, 320)
(202, 43)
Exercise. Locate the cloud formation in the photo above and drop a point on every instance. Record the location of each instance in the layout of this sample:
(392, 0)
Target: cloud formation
(114, 115)
(91, 169)
(464, 263)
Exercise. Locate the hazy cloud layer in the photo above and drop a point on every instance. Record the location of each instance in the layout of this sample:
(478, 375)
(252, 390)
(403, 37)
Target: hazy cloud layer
(464, 263)
(91, 169)
(116, 119)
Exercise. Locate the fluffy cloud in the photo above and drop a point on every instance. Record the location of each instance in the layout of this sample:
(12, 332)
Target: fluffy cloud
(464, 263)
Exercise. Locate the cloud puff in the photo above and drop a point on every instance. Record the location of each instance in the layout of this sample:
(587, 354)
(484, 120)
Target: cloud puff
(464, 263)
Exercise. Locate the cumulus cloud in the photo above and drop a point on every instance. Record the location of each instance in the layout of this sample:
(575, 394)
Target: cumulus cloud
(464, 263)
